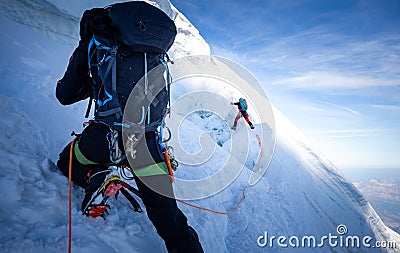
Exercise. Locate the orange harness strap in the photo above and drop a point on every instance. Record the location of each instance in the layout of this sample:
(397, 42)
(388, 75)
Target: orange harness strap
(168, 162)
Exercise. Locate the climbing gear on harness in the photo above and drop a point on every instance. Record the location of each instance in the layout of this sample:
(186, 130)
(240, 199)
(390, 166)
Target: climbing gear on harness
(130, 144)
(116, 154)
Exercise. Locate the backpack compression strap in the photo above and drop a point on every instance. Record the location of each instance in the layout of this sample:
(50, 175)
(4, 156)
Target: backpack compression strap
(112, 99)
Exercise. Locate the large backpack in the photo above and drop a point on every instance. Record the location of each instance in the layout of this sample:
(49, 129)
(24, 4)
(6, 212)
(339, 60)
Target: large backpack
(243, 104)
(127, 41)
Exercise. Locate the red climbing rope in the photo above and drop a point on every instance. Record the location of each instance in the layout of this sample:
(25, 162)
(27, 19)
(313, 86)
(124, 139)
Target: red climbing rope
(71, 150)
(216, 212)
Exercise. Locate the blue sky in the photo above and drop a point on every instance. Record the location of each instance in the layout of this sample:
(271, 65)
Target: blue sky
(332, 67)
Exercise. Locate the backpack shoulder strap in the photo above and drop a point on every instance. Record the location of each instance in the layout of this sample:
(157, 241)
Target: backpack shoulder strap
(112, 96)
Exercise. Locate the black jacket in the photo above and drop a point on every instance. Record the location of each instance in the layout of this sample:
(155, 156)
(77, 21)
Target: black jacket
(239, 106)
(76, 82)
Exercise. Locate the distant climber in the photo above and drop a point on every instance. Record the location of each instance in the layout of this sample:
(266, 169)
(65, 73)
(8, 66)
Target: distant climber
(242, 107)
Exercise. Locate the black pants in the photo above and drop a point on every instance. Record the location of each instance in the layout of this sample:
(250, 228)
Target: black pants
(168, 219)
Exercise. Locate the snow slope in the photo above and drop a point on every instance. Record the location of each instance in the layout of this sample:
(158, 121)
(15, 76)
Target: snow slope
(301, 193)
(59, 19)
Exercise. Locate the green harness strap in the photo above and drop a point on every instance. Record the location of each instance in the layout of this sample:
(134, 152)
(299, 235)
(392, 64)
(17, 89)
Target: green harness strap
(81, 158)
(151, 170)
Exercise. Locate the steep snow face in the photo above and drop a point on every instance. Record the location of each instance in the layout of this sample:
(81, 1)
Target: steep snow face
(317, 193)
(59, 19)
(301, 193)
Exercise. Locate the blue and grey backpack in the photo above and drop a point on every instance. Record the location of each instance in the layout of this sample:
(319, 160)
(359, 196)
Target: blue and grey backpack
(243, 104)
(127, 41)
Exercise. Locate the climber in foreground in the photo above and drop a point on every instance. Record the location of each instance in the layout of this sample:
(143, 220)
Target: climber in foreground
(119, 44)
(242, 107)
